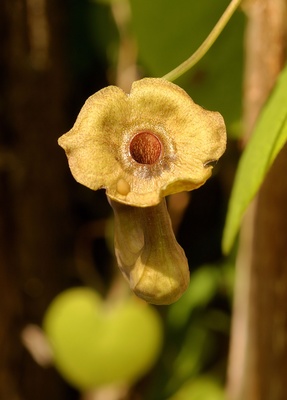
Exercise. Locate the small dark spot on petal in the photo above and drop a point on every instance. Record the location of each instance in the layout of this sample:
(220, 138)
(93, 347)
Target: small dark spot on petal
(210, 163)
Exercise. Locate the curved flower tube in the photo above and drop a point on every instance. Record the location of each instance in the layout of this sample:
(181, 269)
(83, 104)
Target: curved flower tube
(142, 147)
(148, 254)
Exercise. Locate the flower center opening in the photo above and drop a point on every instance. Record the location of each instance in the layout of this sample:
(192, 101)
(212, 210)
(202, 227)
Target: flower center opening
(145, 148)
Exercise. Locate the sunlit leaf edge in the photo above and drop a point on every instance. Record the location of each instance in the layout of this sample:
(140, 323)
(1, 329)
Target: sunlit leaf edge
(268, 138)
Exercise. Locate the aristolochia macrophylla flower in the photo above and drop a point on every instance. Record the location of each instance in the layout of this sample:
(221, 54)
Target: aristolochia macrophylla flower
(144, 145)
(141, 147)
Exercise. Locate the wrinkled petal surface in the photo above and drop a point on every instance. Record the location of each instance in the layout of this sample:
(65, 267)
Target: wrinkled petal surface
(99, 150)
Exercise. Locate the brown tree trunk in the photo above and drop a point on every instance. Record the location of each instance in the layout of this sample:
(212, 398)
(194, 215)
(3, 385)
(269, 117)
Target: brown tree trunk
(258, 357)
(33, 197)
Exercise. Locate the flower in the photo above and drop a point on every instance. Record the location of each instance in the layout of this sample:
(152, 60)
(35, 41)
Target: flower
(144, 145)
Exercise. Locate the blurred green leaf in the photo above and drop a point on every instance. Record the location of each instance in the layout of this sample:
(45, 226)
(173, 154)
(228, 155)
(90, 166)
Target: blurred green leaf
(198, 343)
(204, 388)
(203, 286)
(169, 32)
(93, 35)
(97, 343)
(268, 138)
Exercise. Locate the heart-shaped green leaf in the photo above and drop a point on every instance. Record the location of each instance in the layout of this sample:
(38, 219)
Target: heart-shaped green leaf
(97, 343)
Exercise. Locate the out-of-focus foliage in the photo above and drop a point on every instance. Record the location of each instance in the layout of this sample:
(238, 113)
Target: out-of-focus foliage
(196, 323)
(168, 32)
(93, 36)
(268, 138)
(204, 388)
(97, 343)
(204, 284)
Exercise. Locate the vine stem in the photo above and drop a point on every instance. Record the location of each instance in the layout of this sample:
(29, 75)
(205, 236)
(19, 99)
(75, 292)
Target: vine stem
(205, 46)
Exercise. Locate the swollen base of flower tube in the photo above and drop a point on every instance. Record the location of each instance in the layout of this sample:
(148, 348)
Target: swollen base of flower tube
(148, 254)
(162, 294)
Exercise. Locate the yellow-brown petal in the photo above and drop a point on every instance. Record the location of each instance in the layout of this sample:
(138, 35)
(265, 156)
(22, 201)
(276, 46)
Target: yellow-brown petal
(177, 140)
(199, 135)
(92, 144)
(190, 135)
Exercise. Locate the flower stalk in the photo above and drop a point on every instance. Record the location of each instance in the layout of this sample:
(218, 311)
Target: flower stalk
(148, 254)
(206, 45)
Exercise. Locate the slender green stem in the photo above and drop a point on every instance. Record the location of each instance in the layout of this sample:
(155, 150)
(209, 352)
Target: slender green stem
(205, 46)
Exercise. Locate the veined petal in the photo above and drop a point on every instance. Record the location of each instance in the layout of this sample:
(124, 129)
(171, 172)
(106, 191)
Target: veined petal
(198, 135)
(102, 152)
(92, 144)
(202, 141)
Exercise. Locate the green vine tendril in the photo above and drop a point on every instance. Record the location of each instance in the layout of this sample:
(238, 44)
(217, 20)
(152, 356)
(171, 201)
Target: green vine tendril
(205, 46)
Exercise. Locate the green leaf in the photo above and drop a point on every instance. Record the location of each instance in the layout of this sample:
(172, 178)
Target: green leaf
(202, 388)
(268, 138)
(203, 286)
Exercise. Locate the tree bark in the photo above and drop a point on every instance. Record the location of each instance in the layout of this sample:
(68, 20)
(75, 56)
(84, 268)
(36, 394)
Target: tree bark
(258, 356)
(34, 207)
